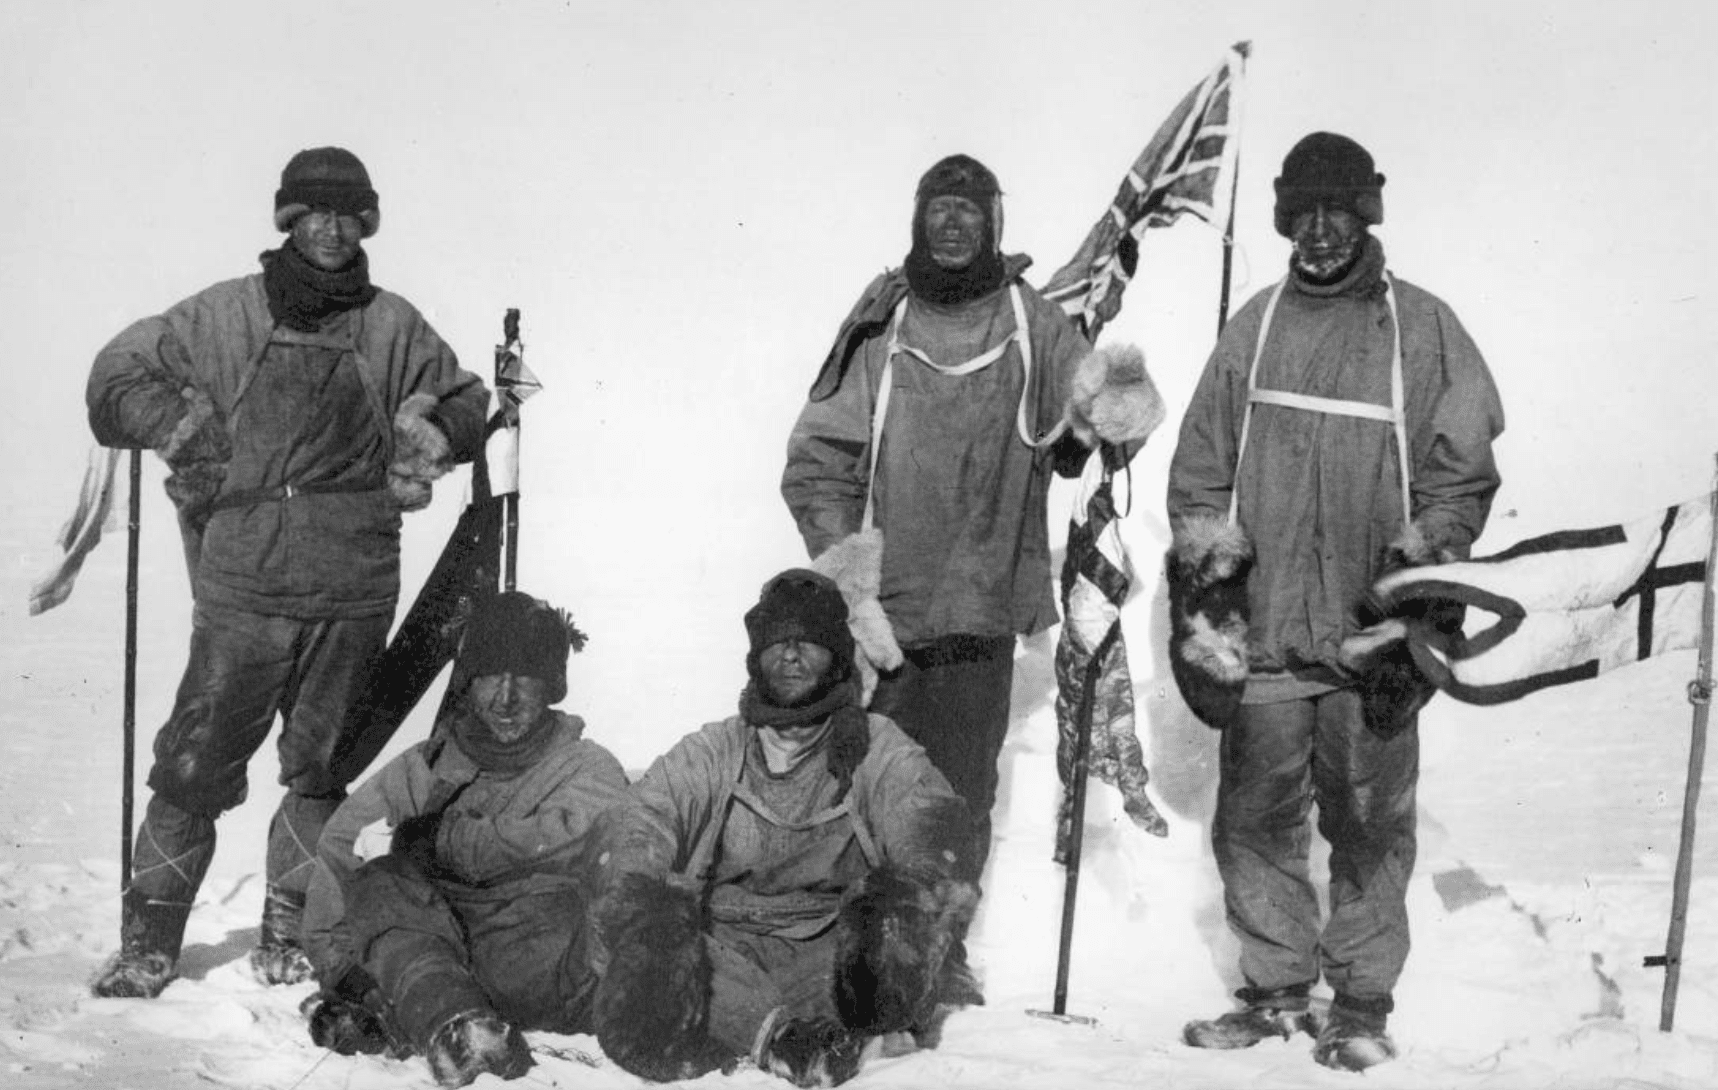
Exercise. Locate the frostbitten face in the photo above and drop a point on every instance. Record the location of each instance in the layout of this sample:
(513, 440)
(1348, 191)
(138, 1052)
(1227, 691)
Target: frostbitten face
(327, 239)
(508, 704)
(954, 231)
(1327, 242)
(793, 670)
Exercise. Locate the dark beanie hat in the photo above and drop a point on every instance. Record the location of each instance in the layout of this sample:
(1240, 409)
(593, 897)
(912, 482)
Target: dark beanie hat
(800, 604)
(1333, 169)
(326, 178)
(514, 633)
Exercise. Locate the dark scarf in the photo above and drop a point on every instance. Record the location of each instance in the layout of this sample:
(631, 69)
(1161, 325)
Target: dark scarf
(489, 753)
(302, 296)
(848, 739)
(934, 284)
(759, 711)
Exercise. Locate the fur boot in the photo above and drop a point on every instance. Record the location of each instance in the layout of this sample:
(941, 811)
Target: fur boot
(894, 933)
(1112, 398)
(653, 1000)
(1393, 688)
(476, 1043)
(855, 564)
(278, 957)
(421, 453)
(1208, 565)
(811, 1051)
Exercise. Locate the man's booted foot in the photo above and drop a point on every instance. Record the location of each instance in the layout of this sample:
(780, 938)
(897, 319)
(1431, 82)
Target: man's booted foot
(133, 974)
(278, 958)
(1353, 1040)
(150, 933)
(476, 1043)
(1280, 1013)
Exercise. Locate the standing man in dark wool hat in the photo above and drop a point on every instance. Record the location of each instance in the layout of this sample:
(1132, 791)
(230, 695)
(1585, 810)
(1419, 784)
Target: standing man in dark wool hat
(918, 472)
(300, 410)
(1343, 427)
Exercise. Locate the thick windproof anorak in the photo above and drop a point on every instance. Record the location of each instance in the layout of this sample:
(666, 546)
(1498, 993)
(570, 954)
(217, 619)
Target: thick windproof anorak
(1320, 495)
(958, 491)
(502, 839)
(315, 554)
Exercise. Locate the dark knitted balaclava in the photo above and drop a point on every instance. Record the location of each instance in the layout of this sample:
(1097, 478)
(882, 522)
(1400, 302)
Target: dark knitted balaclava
(800, 604)
(1333, 169)
(326, 178)
(957, 176)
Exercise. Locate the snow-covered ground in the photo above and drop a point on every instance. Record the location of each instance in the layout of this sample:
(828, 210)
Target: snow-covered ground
(1548, 836)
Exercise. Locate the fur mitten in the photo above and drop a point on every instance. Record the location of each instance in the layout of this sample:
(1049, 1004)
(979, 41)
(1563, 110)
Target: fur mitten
(855, 563)
(197, 451)
(422, 453)
(652, 1003)
(1393, 688)
(894, 932)
(1112, 397)
(1207, 566)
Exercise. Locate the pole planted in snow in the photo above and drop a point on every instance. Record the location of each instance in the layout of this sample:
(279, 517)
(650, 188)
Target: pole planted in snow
(507, 357)
(1700, 695)
(133, 545)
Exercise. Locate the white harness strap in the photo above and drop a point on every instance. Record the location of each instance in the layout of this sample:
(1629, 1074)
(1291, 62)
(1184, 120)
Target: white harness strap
(1394, 414)
(1022, 336)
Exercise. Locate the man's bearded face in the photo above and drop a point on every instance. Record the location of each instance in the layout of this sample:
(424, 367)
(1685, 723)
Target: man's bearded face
(1327, 242)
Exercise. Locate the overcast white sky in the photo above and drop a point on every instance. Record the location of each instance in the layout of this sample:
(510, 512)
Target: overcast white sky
(684, 198)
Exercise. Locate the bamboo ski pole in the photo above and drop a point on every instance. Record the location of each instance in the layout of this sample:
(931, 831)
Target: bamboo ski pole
(511, 350)
(133, 545)
(1077, 823)
(1700, 695)
(1244, 49)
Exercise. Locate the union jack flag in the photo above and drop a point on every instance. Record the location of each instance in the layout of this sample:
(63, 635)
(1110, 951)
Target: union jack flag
(1180, 171)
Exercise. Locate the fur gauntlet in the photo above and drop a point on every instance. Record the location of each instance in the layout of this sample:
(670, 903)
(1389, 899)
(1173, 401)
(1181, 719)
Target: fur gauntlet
(197, 451)
(1392, 688)
(654, 997)
(1208, 564)
(1112, 397)
(855, 564)
(422, 453)
(894, 933)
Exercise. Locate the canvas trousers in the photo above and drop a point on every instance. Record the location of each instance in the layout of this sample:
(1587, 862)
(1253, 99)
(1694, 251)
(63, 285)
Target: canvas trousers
(1276, 761)
(952, 697)
(242, 670)
(438, 948)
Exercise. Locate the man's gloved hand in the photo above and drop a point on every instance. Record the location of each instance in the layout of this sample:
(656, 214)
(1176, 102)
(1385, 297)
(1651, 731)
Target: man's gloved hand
(422, 453)
(197, 451)
(414, 840)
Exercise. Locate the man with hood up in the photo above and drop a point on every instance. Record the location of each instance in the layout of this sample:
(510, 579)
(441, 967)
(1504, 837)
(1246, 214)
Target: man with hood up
(1343, 427)
(300, 409)
(918, 472)
(784, 884)
(448, 910)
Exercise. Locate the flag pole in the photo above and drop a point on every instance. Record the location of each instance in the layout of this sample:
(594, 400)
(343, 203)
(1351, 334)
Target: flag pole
(1077, 825)
(134, 522)
(1242, 49)
(1700, 695)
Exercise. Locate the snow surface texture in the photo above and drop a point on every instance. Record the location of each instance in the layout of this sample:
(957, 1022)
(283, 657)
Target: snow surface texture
(1548, 835)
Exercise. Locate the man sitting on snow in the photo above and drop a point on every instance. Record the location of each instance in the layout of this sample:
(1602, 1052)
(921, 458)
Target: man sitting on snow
(471, 927)
(782, 884)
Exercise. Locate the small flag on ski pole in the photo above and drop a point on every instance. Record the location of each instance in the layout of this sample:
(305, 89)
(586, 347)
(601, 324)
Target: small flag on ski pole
(1181, 170)
(82, 531)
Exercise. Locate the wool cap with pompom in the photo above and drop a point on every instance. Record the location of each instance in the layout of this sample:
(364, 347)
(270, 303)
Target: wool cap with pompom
(514, 633)
(331, 178)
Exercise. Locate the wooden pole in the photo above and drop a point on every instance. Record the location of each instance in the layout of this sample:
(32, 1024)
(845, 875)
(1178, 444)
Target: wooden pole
(1077, 821)
(134, 537)
(1700, 695)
